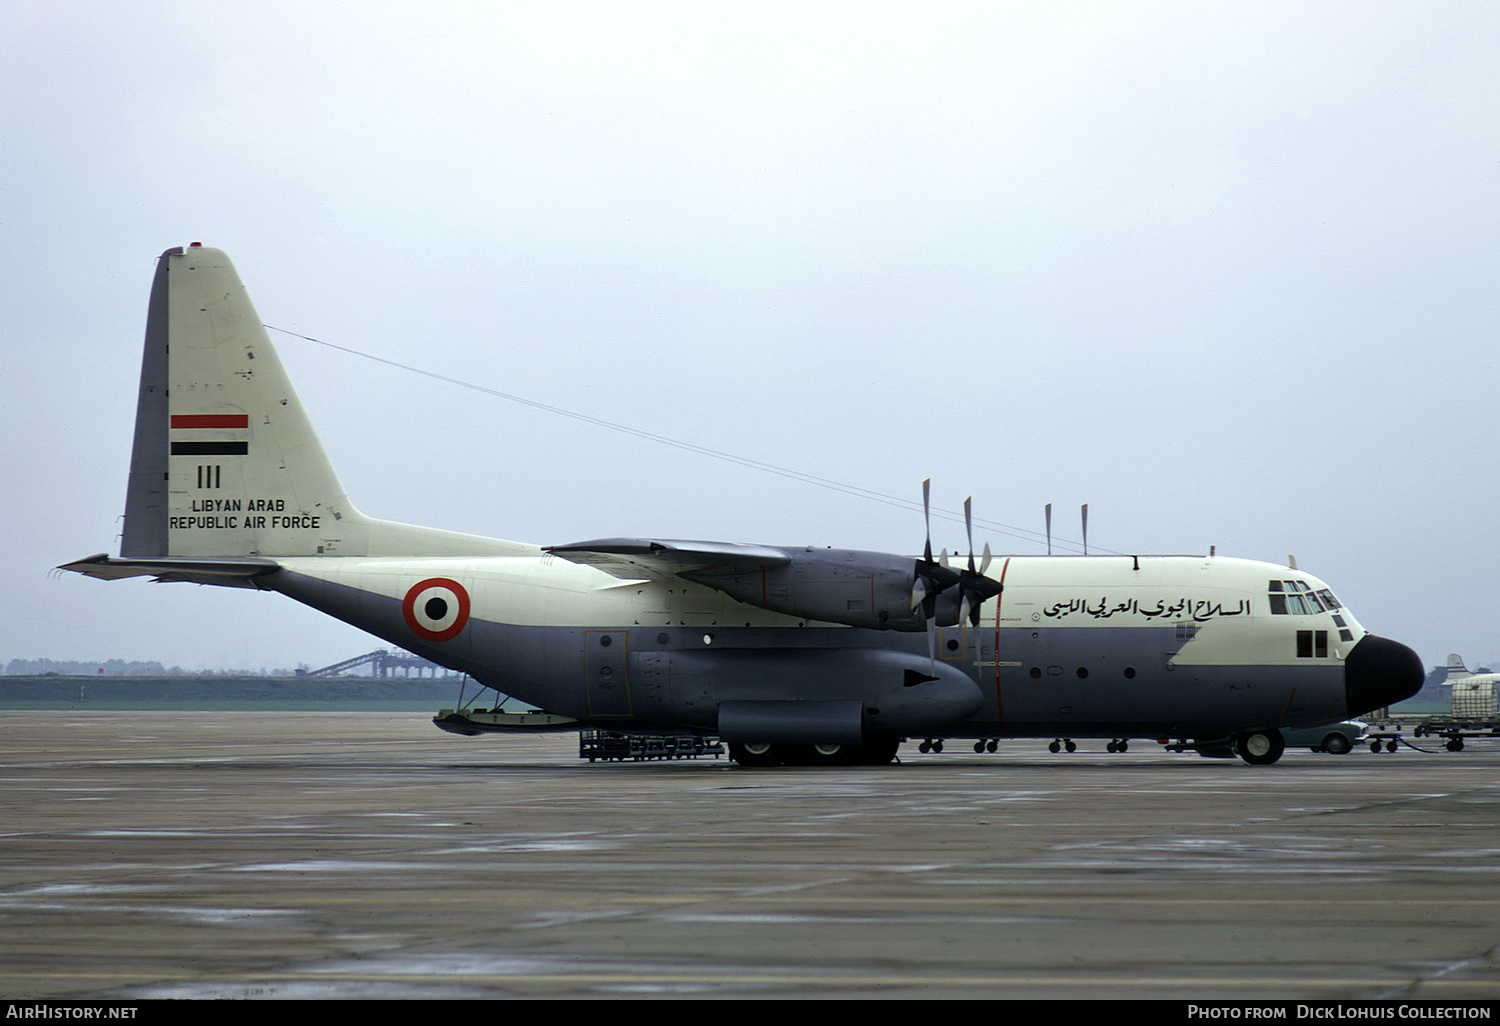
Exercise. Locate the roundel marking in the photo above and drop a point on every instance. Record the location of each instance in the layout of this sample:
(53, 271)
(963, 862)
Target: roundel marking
(436, 609)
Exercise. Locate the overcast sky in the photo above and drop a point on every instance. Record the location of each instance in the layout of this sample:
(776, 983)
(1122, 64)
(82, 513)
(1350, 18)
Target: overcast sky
(1226, 272)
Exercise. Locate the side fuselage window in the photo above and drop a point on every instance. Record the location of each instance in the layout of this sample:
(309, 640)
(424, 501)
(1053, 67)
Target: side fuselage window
(1312, 644)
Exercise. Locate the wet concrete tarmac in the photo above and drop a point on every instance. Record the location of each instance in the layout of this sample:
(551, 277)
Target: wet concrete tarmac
(367, 855)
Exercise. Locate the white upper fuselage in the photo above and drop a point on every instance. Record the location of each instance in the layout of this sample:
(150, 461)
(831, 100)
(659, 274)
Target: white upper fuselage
(1226, 599)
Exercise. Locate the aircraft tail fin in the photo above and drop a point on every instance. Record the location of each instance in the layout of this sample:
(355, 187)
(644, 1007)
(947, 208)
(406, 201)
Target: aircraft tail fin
(226, 464)
(1456, 668)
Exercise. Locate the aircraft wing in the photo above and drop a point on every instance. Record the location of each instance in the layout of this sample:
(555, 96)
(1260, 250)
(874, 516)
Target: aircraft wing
(651, 559)
(858, 589)
(235, 573)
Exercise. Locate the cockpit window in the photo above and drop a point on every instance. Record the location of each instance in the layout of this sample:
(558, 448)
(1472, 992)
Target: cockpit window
(1295, 598)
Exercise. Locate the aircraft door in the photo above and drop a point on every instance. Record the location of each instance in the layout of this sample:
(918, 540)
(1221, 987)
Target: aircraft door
(606, 673)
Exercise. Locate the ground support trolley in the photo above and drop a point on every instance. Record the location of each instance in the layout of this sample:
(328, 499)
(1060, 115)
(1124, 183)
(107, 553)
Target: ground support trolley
(1454, 730)
(610, 745)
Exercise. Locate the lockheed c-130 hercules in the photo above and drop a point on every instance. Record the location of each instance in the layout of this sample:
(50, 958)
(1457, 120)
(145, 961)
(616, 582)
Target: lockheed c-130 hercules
(787, 654)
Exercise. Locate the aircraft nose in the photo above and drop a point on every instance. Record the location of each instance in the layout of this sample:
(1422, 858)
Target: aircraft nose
(1379, 672)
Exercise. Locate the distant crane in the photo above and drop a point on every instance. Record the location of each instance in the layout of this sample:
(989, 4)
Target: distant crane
(385, 663)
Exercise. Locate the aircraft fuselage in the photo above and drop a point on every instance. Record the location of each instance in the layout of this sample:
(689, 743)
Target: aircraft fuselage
(1075, 646)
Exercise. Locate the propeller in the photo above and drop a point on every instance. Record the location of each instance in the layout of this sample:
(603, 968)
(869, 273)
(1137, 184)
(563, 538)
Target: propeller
(973, 586)
(931, 577)
(934, 577)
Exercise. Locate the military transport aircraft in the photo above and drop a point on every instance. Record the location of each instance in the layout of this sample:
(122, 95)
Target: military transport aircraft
(788, 654)
(1457, 672)
(1473, 693)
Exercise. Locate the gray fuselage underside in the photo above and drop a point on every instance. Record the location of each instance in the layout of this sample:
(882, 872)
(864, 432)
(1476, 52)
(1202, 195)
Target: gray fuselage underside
(1053, 681)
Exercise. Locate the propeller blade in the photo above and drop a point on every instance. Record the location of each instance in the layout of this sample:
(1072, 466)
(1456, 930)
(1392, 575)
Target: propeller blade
(984, 563)
(969, 528)
(927, 518)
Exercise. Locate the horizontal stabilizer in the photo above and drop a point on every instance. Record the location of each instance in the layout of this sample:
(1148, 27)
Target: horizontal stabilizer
(233, 573)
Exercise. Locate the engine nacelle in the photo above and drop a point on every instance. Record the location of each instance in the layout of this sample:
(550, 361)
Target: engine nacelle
(876, 590)
(861, 589)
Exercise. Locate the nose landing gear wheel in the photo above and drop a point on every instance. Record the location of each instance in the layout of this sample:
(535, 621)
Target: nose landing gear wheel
(1260, 747)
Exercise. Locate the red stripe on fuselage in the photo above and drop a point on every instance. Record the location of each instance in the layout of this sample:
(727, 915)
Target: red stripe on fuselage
(1000, 598)
(210, 420)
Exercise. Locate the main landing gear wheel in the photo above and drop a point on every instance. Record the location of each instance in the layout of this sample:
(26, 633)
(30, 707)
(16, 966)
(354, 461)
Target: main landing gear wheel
(878, 752)
(755, 753)
(760, 753)
(1260, 747)
(821, 755)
